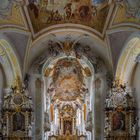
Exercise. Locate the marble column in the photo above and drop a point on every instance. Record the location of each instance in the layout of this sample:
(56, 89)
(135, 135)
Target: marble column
(26, 122)
(74, 123)
(62, 126)
(7, 124)
(82, 121)
(73, 126)
(39, 118)
(7, 91)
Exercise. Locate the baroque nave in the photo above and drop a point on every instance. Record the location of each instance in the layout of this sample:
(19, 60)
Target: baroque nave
(69, 69)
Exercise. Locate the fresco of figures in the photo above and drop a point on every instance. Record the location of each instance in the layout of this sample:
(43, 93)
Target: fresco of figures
(50, 12)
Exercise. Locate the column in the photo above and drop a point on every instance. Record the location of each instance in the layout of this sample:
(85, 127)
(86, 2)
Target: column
(26, 122)
(7, 91)
(8, 127)
(73, 126)
(59, 126)
(82, 119)
(39, 113)
(49, 1)
(62, 126)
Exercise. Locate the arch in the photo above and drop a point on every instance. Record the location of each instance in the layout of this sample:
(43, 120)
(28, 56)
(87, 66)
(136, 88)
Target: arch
(42, 59)
(41, 42)
(9, 61)
(127, 60)
(90, 86)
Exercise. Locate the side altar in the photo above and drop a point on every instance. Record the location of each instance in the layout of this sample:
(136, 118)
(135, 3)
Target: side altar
(17, 114)
(120, 113)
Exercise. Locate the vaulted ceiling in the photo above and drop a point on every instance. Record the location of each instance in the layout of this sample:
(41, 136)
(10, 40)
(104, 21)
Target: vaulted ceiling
(104, 25)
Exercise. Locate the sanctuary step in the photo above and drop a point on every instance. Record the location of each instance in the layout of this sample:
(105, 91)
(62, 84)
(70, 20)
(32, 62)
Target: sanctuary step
(70, 137)
(67, 137)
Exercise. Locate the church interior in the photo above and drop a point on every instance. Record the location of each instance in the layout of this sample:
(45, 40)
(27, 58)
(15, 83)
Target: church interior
(69, 69)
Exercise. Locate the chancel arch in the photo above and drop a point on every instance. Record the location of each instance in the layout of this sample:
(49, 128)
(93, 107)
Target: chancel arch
(73, 77)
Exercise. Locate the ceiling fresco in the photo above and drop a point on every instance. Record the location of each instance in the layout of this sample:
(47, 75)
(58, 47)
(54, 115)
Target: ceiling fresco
(67, 81)
(128, 12)
(41, 14)
(10, 12)
(101, 15)
(6, 7)
(67, 68)
(45, 13)
(67, 73)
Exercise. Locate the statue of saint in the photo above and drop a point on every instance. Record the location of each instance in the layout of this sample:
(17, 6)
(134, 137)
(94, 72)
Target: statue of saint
(4, 130)
(133, 129)
(30, 130)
